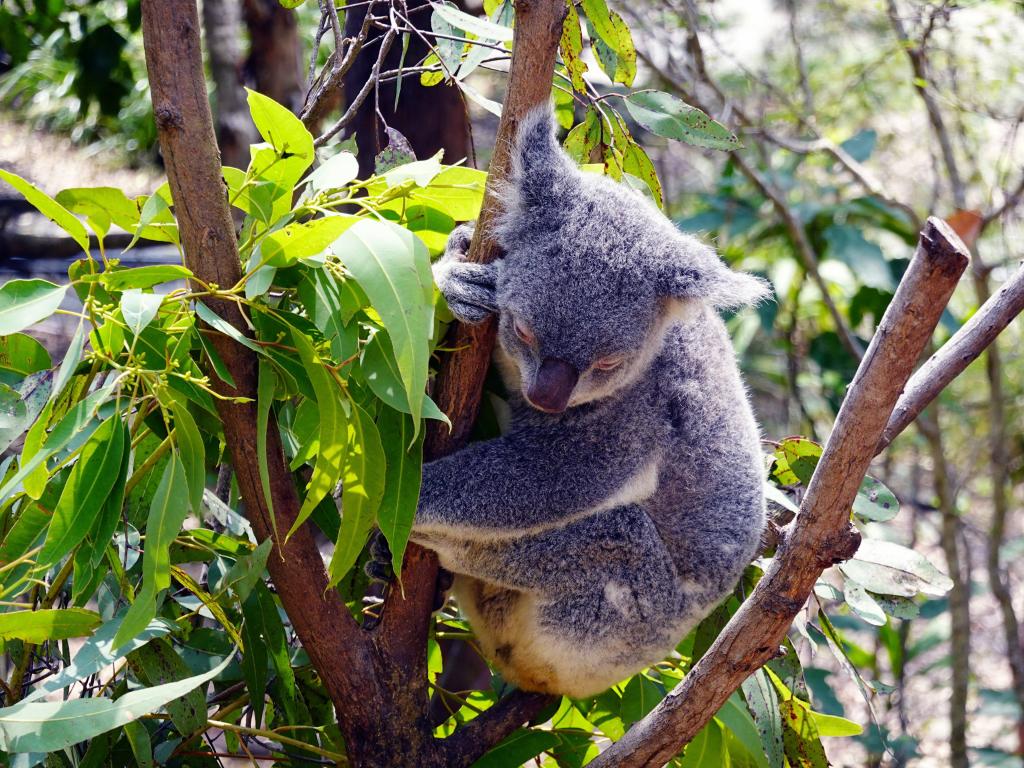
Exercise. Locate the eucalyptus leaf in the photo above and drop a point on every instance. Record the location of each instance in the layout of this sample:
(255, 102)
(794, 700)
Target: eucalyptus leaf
(52, 725)
(665, 115)
(26, 302)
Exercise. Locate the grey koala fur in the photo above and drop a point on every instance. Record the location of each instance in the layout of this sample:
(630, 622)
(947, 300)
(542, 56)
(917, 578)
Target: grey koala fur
(587, 542)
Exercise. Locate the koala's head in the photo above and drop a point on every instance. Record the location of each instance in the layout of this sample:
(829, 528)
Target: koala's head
(593, 274)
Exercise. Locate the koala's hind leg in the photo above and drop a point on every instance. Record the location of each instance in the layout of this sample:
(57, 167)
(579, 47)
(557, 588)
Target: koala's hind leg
(575, 609)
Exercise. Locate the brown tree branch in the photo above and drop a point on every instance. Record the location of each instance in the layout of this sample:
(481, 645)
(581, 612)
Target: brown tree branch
(961, 350)
(340, 652)
(459, 384)
(821, 533)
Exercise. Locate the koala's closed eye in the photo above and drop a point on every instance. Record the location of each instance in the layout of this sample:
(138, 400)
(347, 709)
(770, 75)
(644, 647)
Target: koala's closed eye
(609, 362)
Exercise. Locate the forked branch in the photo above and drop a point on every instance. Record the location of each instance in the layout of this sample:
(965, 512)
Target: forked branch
(821, 533)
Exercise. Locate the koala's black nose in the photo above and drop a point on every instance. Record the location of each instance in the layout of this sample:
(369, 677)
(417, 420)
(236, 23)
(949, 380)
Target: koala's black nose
(553, 384)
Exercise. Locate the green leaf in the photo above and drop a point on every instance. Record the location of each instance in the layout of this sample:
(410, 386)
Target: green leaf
(26, 302)
(241, 578)
(143, 277)
(156, 663)
(895, 565)
(875, 502)
(571, 47)
(614, 48)
(23, 355)
(331, 304)
(393, 267)
(154, 209)
(831, 725)
(140, 743)
(22, 406)
(96, 654)
(265, 640)
(862, 603)
(50, 208)
(218, 323)
(639, 697)
(333, 430)
(362, 490)
(139, 309)
(585, 137)
(47, 624)
(737, 719)
(77, 420)
(334, 173)
(380, 369)
(192, 451)
(795, 461)
(764, 708)
(280, 128)
(518, 749)
(91, 481)
(102, 205)
(800, 737)
(706, 750)
(303, 240)
(266, 383)
(166, 515)
(404, 461)
(636, 163)
(664, 115)
(482, 28)
(53, 725)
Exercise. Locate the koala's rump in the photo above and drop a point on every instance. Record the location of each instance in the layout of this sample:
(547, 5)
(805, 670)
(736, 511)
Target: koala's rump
(529, 639)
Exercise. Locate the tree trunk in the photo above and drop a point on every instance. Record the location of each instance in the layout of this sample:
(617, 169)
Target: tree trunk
(222, 27)
(959, 596)
(431, 118)
(274, 64)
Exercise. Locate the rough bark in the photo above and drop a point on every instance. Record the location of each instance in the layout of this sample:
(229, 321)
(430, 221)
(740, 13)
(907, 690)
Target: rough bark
(821, 533)
(222, 27)
(341, 653)
(459, 383)
(376, 680)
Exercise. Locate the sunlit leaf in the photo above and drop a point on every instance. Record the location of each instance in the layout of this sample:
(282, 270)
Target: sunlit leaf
(47, 624)
(362, 490)
(26, 302)
(50, 208)
(52, 725)
(393, 267)
(665, 115)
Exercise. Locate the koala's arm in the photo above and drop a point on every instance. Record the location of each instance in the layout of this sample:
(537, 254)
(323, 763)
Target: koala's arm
(533, 479)
(468, 287)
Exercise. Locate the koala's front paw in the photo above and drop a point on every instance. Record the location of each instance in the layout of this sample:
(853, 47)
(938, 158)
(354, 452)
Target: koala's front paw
(469, 288)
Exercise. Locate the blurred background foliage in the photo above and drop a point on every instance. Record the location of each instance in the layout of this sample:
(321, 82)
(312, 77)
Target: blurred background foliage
(857, 119)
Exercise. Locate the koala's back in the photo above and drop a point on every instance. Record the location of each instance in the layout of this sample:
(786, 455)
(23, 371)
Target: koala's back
(709, 506)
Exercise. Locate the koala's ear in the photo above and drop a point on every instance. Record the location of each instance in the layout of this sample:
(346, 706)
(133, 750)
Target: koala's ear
(693, 270)
(540, 168)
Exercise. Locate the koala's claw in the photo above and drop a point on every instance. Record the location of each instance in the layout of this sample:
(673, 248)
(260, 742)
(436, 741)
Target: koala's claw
(378, 567)
(469, 288)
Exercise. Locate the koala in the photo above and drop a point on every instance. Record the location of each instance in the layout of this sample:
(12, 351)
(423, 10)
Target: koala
(625, 498)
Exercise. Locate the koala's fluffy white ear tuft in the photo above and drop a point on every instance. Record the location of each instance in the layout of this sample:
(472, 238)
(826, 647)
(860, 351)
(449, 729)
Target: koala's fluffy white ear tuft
(694, 271)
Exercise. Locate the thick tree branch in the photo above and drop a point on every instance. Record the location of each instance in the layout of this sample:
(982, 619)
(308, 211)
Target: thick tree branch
(459, 383)
(961, 350)
(821, 533)
(340, 652)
